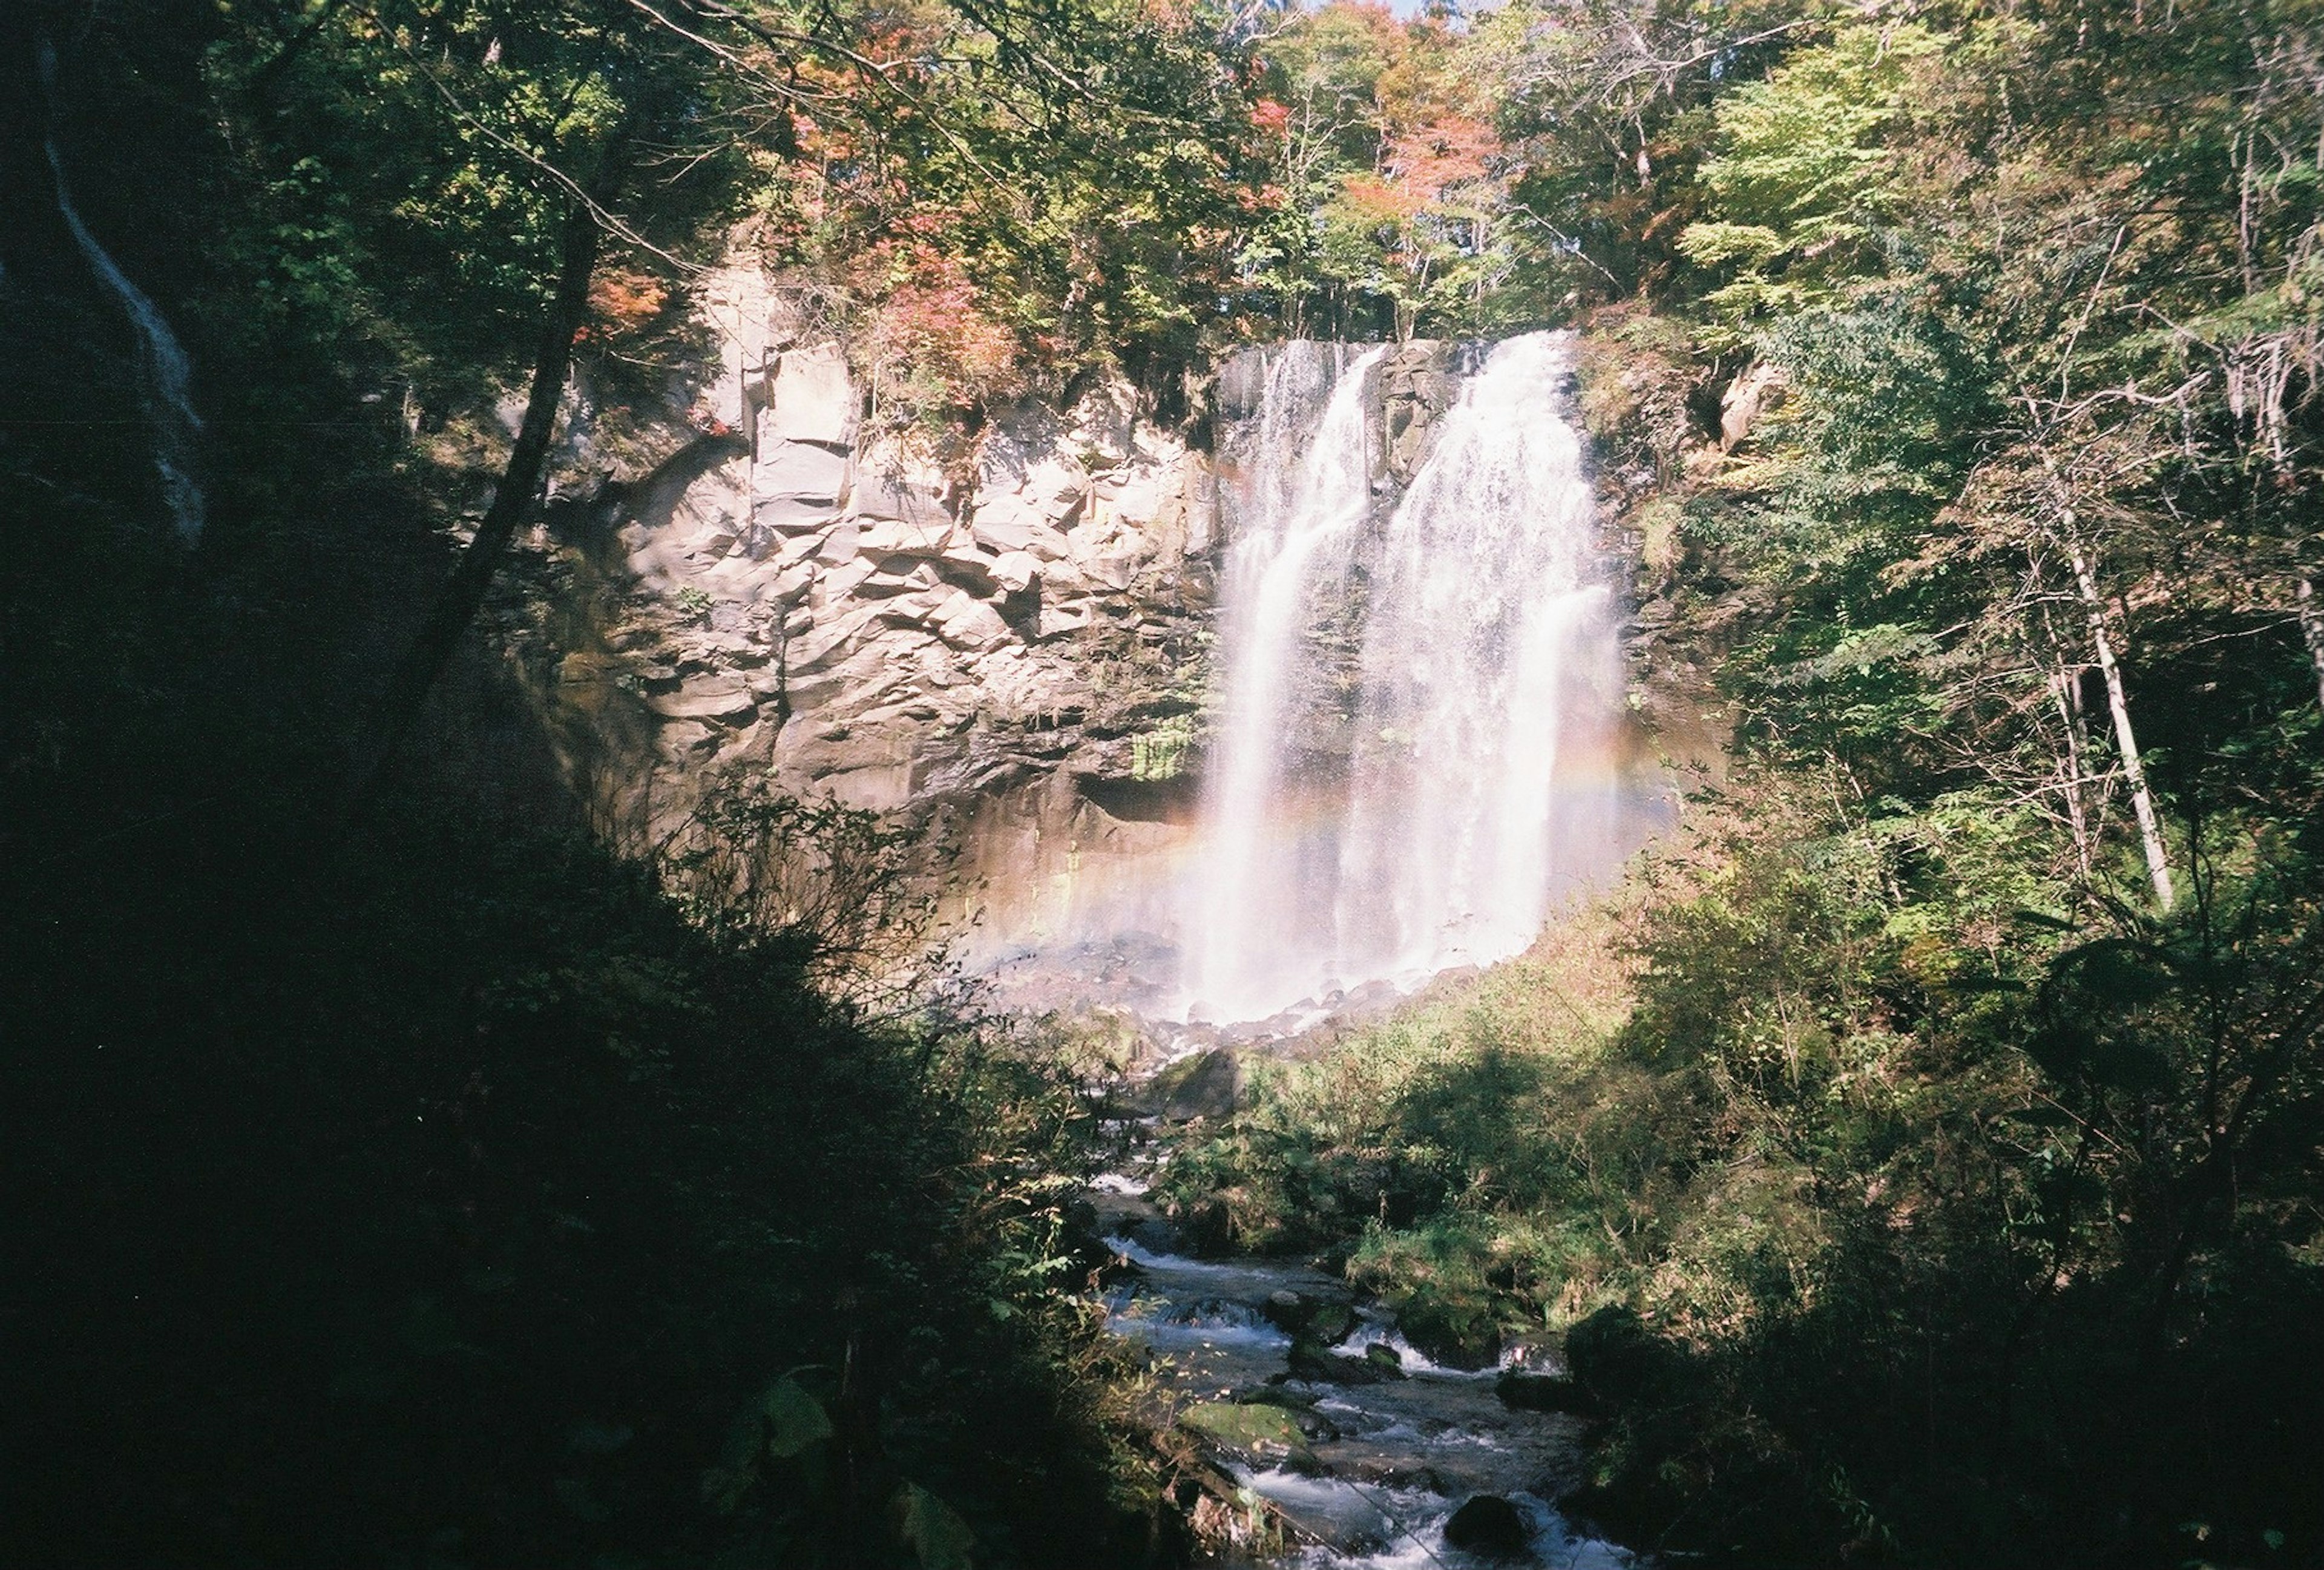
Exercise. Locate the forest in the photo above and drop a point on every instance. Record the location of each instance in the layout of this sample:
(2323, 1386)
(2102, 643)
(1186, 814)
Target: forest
(1921, 1151)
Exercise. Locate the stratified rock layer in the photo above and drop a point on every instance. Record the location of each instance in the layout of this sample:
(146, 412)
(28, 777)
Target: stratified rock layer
(1009, 643)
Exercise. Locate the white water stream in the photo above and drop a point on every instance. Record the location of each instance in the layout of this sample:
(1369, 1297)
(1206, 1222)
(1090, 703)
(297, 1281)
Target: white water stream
(164, 373)
(1431, 819)
(1259, 870)
(1390, 1459)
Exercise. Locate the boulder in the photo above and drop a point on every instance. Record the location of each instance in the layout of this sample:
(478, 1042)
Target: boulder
(1490, 1526)
(802, 470)
(1540, 1392)
(1259, 1433)
(1455, 1329)
(1300, 1405)
(1616, 1359)
(1208, 1086)
(1313, 1361)
(810, 397)
(1016, 571)
(968, 624)
(1306, 1317)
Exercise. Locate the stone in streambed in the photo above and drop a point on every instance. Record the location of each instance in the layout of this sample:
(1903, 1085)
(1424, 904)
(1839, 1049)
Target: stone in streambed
(1259, 1433)
(1538, 1392)
(1301, 1407)
(1309, 1318)
(1209, 1086)
(1491, 1526)
(1313, 1361)
(1617, 1359)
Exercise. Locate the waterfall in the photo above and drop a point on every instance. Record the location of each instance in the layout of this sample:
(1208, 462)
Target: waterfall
(1466, 784)
(1247, 924)
(1489, 662)
(164, 374)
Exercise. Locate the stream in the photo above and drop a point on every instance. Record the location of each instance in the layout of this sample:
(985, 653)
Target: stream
(1390, 1444)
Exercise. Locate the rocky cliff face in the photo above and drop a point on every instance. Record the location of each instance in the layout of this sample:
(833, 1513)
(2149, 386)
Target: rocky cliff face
(1011, 647)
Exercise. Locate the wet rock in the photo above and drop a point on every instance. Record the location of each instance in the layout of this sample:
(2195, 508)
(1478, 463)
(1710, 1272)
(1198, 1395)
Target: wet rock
(1616, 1359)
(1540, 1392)
(1456, 1332)
(1315, 1362)
(1307, 1318)
(1206, 1229)
(1385, 1473)
(1380, 1356)
(1489, 1526)
(1300, 1405)
(1207, 1087)
(1259, 1433)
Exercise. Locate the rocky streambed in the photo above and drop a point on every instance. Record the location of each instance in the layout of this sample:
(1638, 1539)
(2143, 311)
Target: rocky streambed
(1336, 1444)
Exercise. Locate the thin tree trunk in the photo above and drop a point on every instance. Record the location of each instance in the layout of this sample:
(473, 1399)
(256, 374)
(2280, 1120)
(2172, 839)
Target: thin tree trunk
(463, 595)
(2311, 627)
(2062, 689)
(2142, 800)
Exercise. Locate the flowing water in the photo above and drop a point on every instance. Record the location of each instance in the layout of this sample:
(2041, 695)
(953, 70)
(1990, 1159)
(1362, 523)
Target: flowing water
(1417, 710)
(1250, 923)
(1388, 1458)
(164, 373)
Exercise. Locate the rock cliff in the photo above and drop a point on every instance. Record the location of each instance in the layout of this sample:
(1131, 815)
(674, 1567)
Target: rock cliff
(1004, 638)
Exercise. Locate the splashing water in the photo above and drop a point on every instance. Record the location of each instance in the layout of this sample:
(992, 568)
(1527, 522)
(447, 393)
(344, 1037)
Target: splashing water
(1488, 655)
(1248, 905)
(1466, 786)
(163, 370)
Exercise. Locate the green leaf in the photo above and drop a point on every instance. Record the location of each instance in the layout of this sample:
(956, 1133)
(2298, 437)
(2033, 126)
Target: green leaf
(938, 1538)
(794, 1419)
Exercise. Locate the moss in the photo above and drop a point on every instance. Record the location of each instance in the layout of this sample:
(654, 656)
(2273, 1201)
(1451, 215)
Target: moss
(1160, 753)
(1262, 1433)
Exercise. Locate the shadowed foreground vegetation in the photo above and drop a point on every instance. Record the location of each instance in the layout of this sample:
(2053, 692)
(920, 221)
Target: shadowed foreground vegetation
(1859, 1246)
(1927, 1154)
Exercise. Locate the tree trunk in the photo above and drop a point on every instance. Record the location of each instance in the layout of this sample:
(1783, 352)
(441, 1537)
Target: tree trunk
(2142, 800)
(463, 595)
(2311, 627)
(2062, 689)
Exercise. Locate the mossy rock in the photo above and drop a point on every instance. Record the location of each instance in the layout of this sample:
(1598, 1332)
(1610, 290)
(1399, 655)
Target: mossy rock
(1540, 1392)
(1316, 1364)
(1262, 1433)
(1277, 1395)
(1456, 1331)
(1209, 1084)
(1310, 1318)
(1617, 1359)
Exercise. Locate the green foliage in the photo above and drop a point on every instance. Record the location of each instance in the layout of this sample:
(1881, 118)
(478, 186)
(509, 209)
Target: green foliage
(1803, 163)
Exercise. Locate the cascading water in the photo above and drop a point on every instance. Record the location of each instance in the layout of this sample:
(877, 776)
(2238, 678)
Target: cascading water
(164, 372)
(1258, 865)
(1466, 788)
(1490, 666)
